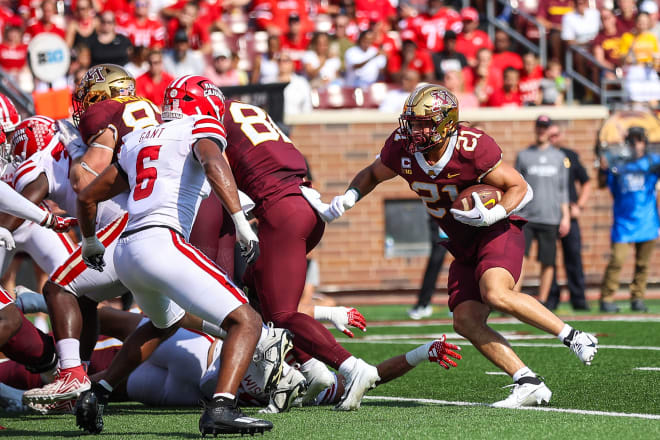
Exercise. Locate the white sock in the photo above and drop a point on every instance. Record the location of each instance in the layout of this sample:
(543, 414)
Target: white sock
(524, 371)
(563, 334)
(105, 385)
(41, 323)
(346, 367)
(229, 396)
(214, 330)
(418, 355)
(68, 350)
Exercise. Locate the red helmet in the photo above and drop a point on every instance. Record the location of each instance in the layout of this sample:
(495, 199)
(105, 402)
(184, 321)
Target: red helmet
(32, 135)
(9, 116)
(193, 95)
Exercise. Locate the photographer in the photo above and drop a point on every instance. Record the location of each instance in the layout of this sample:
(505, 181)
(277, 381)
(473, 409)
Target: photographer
(631, 181)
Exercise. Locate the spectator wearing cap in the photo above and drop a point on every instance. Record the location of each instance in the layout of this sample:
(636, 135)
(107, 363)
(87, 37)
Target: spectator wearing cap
(503, 57)
(266, 68)
(544, 168)
(626, 14)
(188, 21)
(448, 59)
(364, 63)
(395, 98)
(46, 23)
(295, 41)
(607, 44)
(632, 182)
(298, 93)
(530, 80)
(181, 60)
(550, 14)
(410, 57)
(320, 63)
(509, 94)
(471, 39)
(106, 45)
(222, 71)
(153, 82)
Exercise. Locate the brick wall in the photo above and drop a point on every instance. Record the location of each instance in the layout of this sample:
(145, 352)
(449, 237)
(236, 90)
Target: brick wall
(351, 253)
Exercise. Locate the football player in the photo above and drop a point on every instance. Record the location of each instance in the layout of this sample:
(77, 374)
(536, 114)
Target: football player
(439, 158)
(167, 170)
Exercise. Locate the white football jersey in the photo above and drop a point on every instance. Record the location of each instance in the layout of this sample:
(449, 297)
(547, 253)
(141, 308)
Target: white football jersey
(166, 180)
(53, 161)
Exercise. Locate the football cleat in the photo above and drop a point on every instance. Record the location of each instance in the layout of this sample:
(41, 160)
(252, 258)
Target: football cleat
(270, 353)
(68, 384)
(281, 399)
(318, 378)
(526, 393)
(362, 377)
(223, 416)
(419, 312)
(89, 409)
(584, 345)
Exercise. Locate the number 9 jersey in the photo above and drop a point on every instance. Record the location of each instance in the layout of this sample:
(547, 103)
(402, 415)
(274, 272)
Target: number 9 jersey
(167, 183)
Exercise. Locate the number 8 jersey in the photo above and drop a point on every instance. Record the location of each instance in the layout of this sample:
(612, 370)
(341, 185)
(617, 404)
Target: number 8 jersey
(167, 183)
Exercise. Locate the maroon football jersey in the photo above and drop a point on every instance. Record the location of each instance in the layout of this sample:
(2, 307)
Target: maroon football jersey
(122, 115)
(266, 164)
(470, 155)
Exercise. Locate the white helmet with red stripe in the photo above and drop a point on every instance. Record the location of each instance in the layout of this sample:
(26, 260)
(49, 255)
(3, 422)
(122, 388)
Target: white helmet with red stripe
(32, 135)
(193, 95)
(9, 116)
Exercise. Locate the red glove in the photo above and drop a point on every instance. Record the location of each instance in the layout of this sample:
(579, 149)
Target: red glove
(355, 319)
(59, 224)
(439, 350)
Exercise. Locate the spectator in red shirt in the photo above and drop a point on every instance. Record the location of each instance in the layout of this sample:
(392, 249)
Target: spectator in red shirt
(550, 14)
(530, 80)
(453, 80)
(431, 26)
(273, 15)
(383, 40)
(13, 52)
(471, 39)
(410, 57)
(626, 15)
(198, 36)
(483, 79)
(82, 25)
(153, 82)
(509, 94)
(142, 30)
(295, 41)
(45, 24)
(376, 11)
(502, 56)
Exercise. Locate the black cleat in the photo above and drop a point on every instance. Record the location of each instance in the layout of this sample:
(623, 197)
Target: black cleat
(89, 408)
(637, 305)
(223, 416)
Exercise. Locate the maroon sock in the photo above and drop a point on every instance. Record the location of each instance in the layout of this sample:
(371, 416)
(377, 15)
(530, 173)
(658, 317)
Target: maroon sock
(29, 346)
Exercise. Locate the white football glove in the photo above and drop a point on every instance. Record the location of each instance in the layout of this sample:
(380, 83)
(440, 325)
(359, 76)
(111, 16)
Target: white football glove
(246, 237)
(6, 239)
(480, 216)
(92, 253)
(314, 199)
(70, 137)
(341, 204)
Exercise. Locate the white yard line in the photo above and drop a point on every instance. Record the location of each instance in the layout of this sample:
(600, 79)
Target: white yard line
(496, 373)
(535, 408)
(647, 368)
(514, 344)
(511, 336)
(495, 320)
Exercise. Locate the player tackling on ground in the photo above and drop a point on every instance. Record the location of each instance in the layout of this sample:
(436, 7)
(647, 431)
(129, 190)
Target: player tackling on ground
(167, 170)
(439, 158)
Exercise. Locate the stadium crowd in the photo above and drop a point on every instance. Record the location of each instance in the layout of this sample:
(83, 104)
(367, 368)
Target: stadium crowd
(344, 53)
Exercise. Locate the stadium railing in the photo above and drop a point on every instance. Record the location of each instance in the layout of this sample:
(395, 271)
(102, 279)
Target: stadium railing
(608, 90)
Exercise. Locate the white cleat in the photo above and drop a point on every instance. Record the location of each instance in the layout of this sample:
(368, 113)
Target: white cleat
(418, 313)
(526, 394)
(363, 377)
(291, 385)
(270, 353)
(585, 346)
(318, 379)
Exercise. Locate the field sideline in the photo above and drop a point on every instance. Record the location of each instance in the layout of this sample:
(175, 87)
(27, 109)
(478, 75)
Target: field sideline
(618, 396)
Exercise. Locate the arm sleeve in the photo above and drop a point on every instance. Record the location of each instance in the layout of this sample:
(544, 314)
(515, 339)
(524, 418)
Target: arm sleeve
(15, 204)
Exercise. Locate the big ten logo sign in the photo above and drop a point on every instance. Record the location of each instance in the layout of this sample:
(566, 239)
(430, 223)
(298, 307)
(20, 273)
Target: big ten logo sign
(50, 56)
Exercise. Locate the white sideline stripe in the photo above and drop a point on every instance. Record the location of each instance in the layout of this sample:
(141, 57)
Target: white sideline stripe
(515, 321)
(511, 336)
(496, 373)
(529, 408)
(514, 344)
(647, 368)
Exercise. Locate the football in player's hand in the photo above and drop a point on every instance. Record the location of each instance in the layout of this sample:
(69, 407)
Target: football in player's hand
(490, 196)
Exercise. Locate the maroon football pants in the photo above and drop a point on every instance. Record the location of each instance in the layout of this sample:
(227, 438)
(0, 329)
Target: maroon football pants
(29, 346)
(288, 230)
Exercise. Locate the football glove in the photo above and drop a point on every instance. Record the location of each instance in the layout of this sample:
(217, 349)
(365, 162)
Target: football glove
(57, 223)
(340, 204)
(480, 216)
(246, 237)
(6, 239)
(340, 317)
(92, 253)
(439, 350)
(70, 137)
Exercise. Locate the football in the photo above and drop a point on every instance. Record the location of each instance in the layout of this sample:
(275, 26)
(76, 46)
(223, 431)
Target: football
(490, 196)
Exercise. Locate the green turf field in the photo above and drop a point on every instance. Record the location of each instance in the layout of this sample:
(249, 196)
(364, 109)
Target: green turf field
(613, 398)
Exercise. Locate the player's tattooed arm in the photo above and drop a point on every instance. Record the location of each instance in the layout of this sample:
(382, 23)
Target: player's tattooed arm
(512, 184)
(97, 157)
(35, 192)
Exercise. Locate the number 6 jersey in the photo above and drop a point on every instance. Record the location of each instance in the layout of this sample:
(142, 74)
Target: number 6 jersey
(167, 183)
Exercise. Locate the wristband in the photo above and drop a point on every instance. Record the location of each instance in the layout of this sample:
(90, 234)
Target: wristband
(358, 195)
